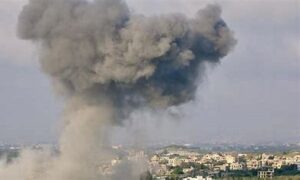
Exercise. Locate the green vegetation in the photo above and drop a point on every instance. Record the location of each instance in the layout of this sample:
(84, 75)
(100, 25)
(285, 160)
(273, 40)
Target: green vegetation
(9, 155)
(242, 173)
(197, 166)
(290, 170)
(177, 171)
(255, 178)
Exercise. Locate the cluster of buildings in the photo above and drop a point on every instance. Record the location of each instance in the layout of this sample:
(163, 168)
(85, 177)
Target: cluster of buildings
(125, 156)
(213, 164)
(193, 165)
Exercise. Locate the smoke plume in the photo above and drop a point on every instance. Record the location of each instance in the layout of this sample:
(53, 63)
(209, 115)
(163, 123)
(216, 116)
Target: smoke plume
(106, 61)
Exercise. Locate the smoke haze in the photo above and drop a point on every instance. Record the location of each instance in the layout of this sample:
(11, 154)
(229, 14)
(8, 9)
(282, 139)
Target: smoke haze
(106, 61)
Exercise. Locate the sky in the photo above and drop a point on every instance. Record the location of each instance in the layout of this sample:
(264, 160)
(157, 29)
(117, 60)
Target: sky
(252, 96)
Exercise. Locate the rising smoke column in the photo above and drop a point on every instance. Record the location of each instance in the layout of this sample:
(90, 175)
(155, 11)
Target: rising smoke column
(106, 61)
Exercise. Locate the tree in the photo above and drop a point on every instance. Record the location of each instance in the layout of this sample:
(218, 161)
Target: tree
(177, 170)
(287, 170)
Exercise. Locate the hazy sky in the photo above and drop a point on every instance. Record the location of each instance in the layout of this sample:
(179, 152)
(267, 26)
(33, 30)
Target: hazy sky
(252, 96)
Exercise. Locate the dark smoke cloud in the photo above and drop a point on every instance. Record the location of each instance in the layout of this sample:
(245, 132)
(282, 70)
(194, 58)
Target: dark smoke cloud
(106, 61)
(100, 47)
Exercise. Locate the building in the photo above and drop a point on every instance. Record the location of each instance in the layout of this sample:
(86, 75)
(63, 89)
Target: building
(197, 178)
(236, 166)
(298, 166)
(223, 167)
(252, 164)
(266, 173)
(229, 159)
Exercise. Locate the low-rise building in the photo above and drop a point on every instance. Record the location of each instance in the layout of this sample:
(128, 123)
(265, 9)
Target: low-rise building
(266, 173)
(197, 178)
(236, 166)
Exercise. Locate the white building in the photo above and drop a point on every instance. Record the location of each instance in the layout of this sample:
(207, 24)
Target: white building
(229, 158)
(197, 178)
(236, 166)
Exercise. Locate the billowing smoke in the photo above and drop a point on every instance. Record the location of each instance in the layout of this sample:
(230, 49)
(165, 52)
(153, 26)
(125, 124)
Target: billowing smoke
(106, 61)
